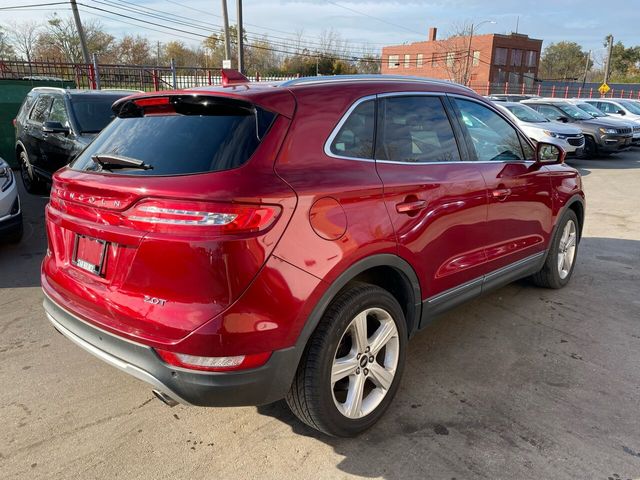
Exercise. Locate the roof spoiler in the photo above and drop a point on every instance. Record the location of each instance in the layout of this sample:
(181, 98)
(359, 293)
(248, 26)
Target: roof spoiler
(232, 77)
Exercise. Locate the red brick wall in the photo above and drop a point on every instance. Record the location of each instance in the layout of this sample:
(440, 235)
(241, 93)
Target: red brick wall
(482, 73)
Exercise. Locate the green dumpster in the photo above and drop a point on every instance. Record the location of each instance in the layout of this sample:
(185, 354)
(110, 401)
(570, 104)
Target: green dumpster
(12, 93)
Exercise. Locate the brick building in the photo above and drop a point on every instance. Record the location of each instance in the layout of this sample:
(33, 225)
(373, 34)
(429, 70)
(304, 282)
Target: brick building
(492, 58)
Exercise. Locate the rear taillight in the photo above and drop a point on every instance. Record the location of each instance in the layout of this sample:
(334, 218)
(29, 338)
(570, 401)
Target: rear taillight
(214, 364)
(157, 215)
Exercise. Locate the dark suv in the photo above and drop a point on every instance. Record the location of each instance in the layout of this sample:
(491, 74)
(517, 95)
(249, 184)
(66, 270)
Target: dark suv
(236, 245)
(53, 125)
(602, 136)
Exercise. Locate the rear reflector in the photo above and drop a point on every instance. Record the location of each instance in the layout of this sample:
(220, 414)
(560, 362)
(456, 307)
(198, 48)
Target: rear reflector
(214, 364)
(168, 215)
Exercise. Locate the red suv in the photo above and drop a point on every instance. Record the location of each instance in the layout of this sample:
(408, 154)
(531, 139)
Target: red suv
(247, 243)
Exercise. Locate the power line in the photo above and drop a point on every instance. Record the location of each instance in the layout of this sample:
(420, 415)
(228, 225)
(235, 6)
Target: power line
(198, 24)
(374, 17)
(18, 7)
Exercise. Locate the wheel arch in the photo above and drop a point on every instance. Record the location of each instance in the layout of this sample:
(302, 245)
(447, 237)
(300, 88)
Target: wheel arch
(387, 271)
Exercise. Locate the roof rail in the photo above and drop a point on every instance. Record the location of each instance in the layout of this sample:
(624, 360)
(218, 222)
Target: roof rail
(57, 89)
(367, 77)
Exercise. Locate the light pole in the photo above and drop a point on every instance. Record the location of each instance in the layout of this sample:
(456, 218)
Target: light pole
(467, 66)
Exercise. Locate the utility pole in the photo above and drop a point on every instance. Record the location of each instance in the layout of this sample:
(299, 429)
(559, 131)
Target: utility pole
(83, 39)
(227, 40)
(240, 39)
(607, 65)
(466, 67)
(586, 69)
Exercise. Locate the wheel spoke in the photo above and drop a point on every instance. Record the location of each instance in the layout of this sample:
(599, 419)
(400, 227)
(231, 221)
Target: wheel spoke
(343, 367)
(359, 331)
(571, 242)
(382, 377)
(381, 337)
(353, 404)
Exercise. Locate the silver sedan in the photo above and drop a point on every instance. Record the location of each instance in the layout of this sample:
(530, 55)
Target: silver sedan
(10, 212)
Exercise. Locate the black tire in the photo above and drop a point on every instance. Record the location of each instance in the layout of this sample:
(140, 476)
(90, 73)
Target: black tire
(549, 276)
(32, 183)
(590, 148)
(311, 397)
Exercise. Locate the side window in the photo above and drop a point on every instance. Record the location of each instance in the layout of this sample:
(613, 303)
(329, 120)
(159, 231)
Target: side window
(608, 107)
(355, 137)
(39, 112)
(26, 105)
(494, 139)
(58, 112)
(551, 113)
(415, 129)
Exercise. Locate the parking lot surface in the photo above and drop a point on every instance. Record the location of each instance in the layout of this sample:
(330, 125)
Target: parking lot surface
(522, 383)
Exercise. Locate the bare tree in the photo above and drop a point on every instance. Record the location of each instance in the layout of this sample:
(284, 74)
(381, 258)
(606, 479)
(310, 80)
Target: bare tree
(454, 53)
(6, 49)
(24, 37)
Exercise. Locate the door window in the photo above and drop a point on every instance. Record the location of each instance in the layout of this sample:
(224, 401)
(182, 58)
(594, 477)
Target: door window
(39, 112)
(550, 113)
(58, 112)
(494, 139)
(355, 137)
(415, 129)
(607, 107)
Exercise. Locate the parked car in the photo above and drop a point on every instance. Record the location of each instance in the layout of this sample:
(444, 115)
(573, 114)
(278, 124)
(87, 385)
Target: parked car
(582, 104)
(234, 246)
(540, 129)
(602, 136)
(10, 214)
(510, 97)
(53, 125)
(617, 107)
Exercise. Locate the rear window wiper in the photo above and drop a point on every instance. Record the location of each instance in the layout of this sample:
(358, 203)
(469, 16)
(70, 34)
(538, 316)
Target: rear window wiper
(111, 161)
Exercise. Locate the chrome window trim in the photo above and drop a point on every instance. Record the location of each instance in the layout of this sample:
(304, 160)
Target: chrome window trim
(334, 132)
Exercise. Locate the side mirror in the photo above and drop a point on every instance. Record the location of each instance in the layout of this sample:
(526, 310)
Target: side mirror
(621, 112)
(563, 119)
(549, 153)
(54, 127)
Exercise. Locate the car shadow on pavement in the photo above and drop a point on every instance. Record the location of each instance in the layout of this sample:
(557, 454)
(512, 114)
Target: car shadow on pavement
(509, 384)
(20, 263)
(627, 161)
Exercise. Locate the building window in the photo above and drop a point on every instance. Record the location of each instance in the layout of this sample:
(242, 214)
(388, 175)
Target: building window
(451, 58)
(394, 61)
(516, 58)
(476, 58)
(531, 58)
(500, 56)
(514, 78)
(499, 76)
(419, 60)
(407, 60)
(434, 59)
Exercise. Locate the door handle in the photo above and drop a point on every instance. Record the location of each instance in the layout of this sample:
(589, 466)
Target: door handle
(412, 206)
(501, 193)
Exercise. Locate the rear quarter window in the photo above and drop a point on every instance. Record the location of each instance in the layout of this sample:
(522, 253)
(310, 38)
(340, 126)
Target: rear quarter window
(199, 135)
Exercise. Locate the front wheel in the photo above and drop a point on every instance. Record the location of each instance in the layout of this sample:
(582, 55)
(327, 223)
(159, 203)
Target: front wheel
(352, 366)
(561, 259)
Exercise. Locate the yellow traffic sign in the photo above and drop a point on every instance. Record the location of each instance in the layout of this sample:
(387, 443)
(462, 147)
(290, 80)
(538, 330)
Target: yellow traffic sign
(604, 89)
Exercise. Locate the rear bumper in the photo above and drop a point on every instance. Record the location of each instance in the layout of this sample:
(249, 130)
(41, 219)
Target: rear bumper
(259, 386)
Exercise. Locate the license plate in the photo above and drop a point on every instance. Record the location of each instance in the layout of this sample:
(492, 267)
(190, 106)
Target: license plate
(89, 254)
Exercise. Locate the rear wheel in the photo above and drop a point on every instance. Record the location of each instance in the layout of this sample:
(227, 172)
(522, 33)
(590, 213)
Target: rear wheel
(30, 179)
(352, 366)
(560, 262)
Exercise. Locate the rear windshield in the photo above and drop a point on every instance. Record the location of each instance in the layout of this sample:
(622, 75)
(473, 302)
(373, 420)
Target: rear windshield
(197, 135)
(93, 114)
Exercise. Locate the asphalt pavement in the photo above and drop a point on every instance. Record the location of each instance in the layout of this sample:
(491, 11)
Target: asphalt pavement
(524, 383)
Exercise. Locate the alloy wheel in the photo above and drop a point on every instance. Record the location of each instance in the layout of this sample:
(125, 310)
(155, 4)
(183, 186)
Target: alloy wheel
(365, 363)
(567, 249)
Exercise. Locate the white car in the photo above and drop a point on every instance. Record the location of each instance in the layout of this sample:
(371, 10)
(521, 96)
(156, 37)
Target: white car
(619, 108)
(583, 104)
(10, 213)
(539, 129)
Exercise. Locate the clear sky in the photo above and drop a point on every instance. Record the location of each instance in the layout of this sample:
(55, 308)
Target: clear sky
(368, 22)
